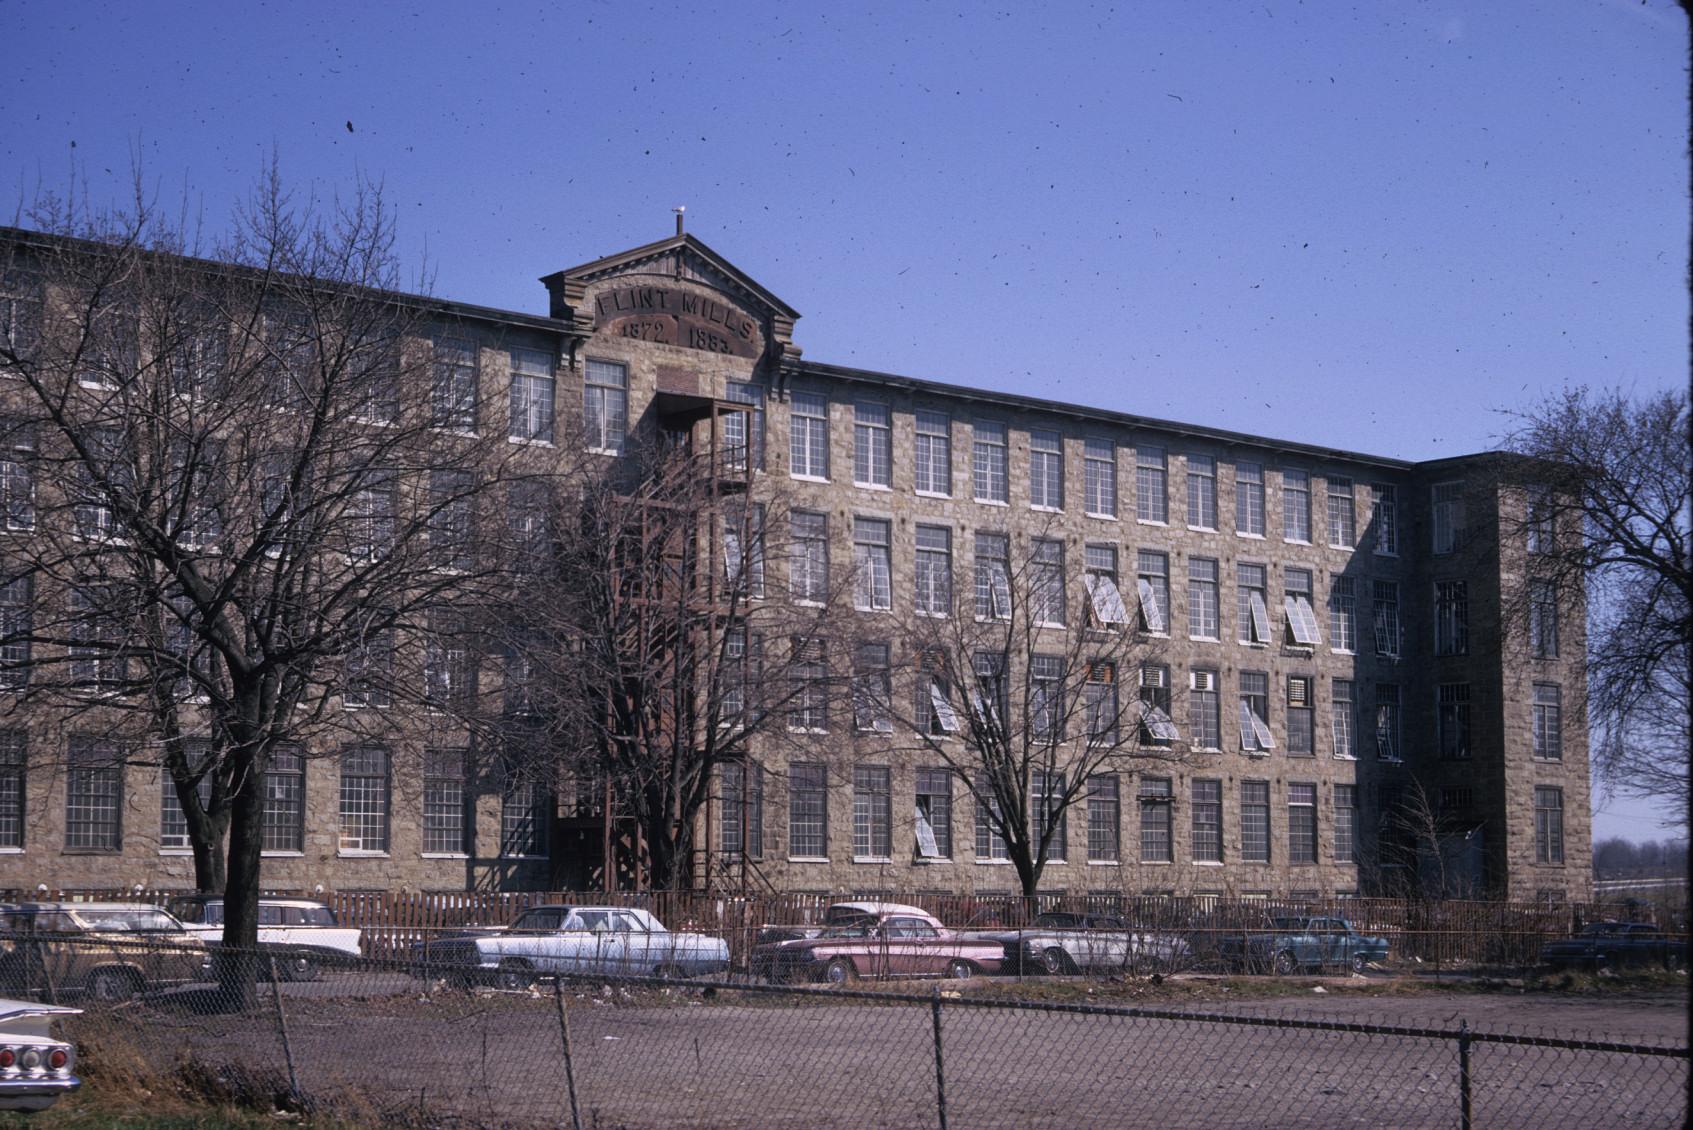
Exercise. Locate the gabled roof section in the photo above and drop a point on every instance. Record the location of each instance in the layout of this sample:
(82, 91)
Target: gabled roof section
(679, 256)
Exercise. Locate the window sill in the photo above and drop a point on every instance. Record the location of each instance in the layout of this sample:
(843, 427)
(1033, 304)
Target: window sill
(932, 494)
(282, 855)
(1248, 536)
(798, 478)
(524, 858)
(1257, 645)
(873, 730)
(1295, 541)
(361, 853)
(1201, 529)
(1344, 756)
(1151, 522)
(1157, 863)
(1207, 863)
(873, 486)
(1385, 552)
(1041, 508)
(996, 862)
(11, 851)
(880, 611)
(1100, 516)
(444, 855)
(1105, 863)
(872, 859)
(991, 502)
(528, 441)
(176, 853)
(1342, 548)
(804, 730)
(808, 859)
(1205, 639)
(1342, 651)
(932, 859)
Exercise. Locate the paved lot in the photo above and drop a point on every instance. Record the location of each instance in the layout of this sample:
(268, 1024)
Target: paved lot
(742, 1060)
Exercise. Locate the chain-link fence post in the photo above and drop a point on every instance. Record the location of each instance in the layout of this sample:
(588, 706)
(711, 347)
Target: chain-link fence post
(282, 1027)
(940, 1065)
(569, 1067)
(1464, 1075)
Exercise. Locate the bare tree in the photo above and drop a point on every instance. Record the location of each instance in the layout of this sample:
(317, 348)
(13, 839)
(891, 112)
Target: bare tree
(238, 514)
(1605, 498)
(1031, 689)
(657, 649)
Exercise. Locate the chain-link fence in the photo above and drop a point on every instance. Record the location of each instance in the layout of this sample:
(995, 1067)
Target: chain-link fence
(402, 1041)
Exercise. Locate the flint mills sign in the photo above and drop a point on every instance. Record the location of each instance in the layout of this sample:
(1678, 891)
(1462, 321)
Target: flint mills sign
(672, 316)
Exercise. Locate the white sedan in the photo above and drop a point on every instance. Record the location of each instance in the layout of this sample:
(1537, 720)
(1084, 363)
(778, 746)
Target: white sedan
(583, 940)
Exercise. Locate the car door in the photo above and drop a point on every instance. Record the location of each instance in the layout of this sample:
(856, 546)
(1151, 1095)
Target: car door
(913, 948)
(633, 945)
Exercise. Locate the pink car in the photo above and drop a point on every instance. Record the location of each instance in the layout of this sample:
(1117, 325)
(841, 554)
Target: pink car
(876, 940)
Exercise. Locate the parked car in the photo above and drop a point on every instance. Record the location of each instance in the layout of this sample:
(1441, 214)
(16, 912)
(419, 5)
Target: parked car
(837, 914)
(876, 940)
(1066, 942)
(592, 940)
(35, 1069)
(108, 950)
(1611, 945)
(1290, 944)
(302, 933)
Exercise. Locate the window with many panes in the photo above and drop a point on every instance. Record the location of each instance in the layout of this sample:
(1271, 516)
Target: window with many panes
(173, 821)
(1205, 714)
(1104, 819)
(12, 777)
(1301, 822)
(1297, 605)
(990, 840)
(605, 405)
(285, 801)
(1388, 743)
(1252, 613)
(743, 549)
(1543, 619)
(16, 617)
(1099, 701)
(444, 825)
(1548, 722)
(808, 556)
(452, 391)
(1105, 600)
(364, 799)
(451, 523)
(1384, 616)
(871, 689)
(1452, 719)
(1346, 823)
(93, 795)
(1343, 614)
(743, 809)
(1202, 598)
(743, 427)
(1048, 812)
(872, 812)
(1046, 581)
(1202, 492)
(1152, 585)
(1249, 499)
(1343, 714)
(1296, 505)
(1301, 715)
(1099, 473)
(1046, 469)
(17, 475)
(1542, 519)
(1155, 798)
(931, 468)
(1157, 726)
(1447, 525)
(1451, 618)
(808, 687)
(872, 562)
(1255, 821)
(449, 670)
(934, 813)
(808, 435)
(932, 583)
(532, 391)
(872, 444)
(1548, 824)
(1046, 697)
(20, 313)
(369, 670)
(1384, 517)
(1207, 820)
(1254, 711)
(993, 576)
(1343, 521)
(988, 461)
(991, 694)
(808, 811)
(1152, 484)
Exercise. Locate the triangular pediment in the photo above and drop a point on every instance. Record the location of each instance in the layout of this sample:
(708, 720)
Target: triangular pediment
(683, 259)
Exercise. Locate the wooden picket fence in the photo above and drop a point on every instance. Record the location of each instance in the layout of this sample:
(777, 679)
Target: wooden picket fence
(1436, 934)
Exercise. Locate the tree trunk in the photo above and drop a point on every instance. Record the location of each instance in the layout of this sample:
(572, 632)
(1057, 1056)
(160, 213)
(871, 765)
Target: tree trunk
(238, 964)
(209, 868)
(1028, 875)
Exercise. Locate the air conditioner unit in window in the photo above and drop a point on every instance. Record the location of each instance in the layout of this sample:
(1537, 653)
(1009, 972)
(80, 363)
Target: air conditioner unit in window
(1202, 680)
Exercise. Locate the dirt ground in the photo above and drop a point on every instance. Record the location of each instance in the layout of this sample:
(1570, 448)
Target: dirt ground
(724, 1058)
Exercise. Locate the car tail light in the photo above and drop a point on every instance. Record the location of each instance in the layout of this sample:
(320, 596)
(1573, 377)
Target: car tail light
(31, 1059)
(8, 1057)
(58, 1059)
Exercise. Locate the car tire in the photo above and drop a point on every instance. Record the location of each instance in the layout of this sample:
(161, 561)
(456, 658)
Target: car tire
(301, 967)
(111, 986)
(1286, 963)
(1357, 963)
(514, 975)
(840, 972)
(959, 970)
(1056, 962)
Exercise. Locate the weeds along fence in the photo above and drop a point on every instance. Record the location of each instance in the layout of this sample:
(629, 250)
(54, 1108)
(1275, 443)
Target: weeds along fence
(1427, 934)
(378, 1043)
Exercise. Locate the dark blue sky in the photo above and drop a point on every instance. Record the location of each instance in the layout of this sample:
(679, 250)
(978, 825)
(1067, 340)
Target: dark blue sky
(1374, 226)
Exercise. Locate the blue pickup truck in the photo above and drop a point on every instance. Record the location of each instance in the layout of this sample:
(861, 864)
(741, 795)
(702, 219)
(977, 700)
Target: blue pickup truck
(1290, 944)
(1609, 945)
